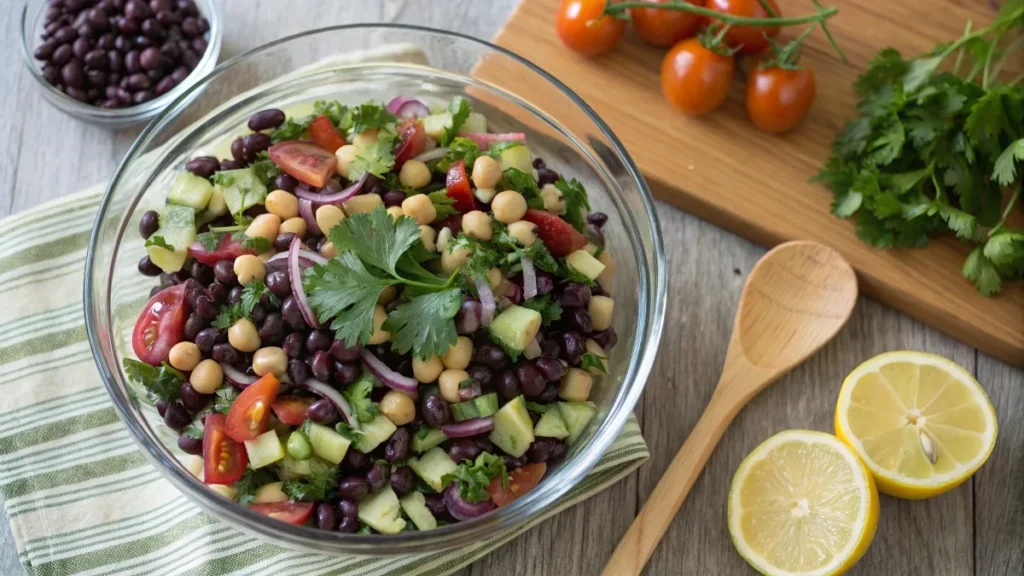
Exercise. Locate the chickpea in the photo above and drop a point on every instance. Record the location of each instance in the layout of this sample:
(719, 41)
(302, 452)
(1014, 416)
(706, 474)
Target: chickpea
(600, 309)
(485, 195)
(398, 408)
(429, 238)
(553, 200)
(265, 225)
(327, 250)
(523, 231)
(184, 356)
(295, 225)
(266, 256)
(453, 260)
(328, 216)
(345, 156)
(494, 277)
(477, 224)
(362, 204)
(207, 376)
(365, 139)
(419, 208)
(459, 355)
(243, 336)
(428, 370)
(444, 238)
(387, 295)
(379, 335)
(269, 360)
(284, 204)
(486, 172)
(448, 383)
(414, 174)
(508, 206)
(395, 212)
(248, 267)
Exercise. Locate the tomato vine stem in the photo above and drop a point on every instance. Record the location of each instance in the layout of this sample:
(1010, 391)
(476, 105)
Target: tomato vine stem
(618, 10)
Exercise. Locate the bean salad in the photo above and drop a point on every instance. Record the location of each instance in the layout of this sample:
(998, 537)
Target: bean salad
(374, 318)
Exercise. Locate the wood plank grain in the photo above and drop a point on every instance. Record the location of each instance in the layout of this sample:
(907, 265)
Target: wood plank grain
(722, 169)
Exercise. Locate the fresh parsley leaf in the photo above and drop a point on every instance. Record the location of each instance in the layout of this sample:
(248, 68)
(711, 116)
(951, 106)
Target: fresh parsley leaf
(515, 179)
(459, 149)
(225, 397)
(228, 315)
(159, 382)
(591, 360)
(193, 430)
(423, 432)
(292, 129)
(425, 324)
(346, 291)
(210, 240)
(472, 478)
(378, 158)
(459, 110)
(255, 291)
(346, 431)
(495, 150)
(570, 274)
(159, 241)
(550, 310)
(376, 238)
(1005, 169)
(358, 396)
(250, 482)
(257, 244)
(318, 486)
(338, 113)
(264, 169)
(577, 205)
(980, 270)
(444, 205)
(370, 115)
(1005, 247)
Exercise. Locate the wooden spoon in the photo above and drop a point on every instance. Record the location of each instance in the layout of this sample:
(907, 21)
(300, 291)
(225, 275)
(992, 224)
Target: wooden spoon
(796, 299)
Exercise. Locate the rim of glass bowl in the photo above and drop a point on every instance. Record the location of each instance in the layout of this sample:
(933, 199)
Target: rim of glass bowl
(653, 282)
(120, 117)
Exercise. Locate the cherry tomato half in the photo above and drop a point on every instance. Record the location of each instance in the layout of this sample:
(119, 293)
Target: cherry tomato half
(414, 141)
(161, 325)
(558, 236)
(291, 512)
(778, 99)
(665, 27)
(696, 80)
(304, 160)
(748, 39)
(291, 411)
(250, 412)
(227, 249)
(457, 184)
(520, 481)
(224, 460)
(582, 29)
(325, 135)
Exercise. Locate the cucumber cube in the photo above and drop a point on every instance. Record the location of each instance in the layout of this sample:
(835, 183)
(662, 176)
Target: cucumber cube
(576, 415)
(327, 443)
(178, 230)
(513, 428)
(517, 157)
(423, 441)
(264, 449)
(415, 507)
(551, 425)
(582, 262)
(190, 190)
(382, 511)
(432, 466)
(515, 327)
(476, 122)
(374, 433)
(435, 124)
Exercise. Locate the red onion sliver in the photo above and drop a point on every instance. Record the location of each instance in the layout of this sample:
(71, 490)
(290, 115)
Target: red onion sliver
(532, 350)
(387, 376)
(324, 391)
(486, 301)
(485, 139)
(406, 108)
(308, 214)
(431, 155)
(298, 291)
(319, 200)
(461, 509)
(306, 258)
(468, 427)
(529, 277)
(236, 377)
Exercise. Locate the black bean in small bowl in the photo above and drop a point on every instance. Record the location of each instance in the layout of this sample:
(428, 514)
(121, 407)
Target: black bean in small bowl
(117, 63)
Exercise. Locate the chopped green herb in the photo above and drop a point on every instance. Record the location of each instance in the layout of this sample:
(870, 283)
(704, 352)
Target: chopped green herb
(550, 310)
(378, 158)
(577, 205)
(158, 382)
(160, 242)
(459, 149)
(318, 486)
(515, 179)
(250, 482)
(472, 478)
(209, 240)
(497, 148)
(537, 408)
(358, 396)
(193, 430)
(225, 397)
(444, 205)
(370, 115)
(591, 360)
(459, 109)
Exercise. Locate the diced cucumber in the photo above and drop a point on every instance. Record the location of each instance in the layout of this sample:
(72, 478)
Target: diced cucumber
(415, 506)
(373, 434)
(226, 490)
(464, 411)
(582, 262)
(298, 446)
(515, 327)
(382, 512)
(432, 466)
(270, 493)
(241, 189)
(576, 415)
(435, 124)
(476, 122)
(215, 208)
(513, 429)
(264, 449)
(423, 441)
(327, 443)
(486, 405)
(576, 385)
(292, 468)
(551, 425)
(190, 190)
(178, 230)
(517, 157)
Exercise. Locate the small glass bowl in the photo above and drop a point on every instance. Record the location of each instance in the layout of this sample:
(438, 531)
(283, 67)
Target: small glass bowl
(32, 15)
(514, 95)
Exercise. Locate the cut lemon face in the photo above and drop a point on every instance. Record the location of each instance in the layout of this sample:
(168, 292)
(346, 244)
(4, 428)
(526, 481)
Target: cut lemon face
(802, 503)
(921, 423)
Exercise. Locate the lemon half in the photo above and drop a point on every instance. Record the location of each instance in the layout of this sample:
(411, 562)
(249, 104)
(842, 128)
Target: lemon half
(921, 423)
(802, 503)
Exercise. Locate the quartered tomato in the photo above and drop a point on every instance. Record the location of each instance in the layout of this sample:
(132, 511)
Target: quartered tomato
(291, 411)
(325, 135)
(665, 27)
(749, 39)
(227, 249)
(558, 236)
(459, 189)
(291, 512)
(520, 481)
(414, 141)
(304, 160)
(224, 460)
(250, 412)
(161, 325)
(582, 28)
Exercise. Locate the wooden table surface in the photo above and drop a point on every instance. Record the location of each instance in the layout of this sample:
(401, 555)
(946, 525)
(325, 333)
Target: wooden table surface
(976, 529)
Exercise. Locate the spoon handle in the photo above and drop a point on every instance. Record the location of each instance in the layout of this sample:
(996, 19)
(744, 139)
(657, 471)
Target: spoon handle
(647, 529)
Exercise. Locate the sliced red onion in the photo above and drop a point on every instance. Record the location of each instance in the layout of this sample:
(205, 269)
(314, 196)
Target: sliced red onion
(324, 391)
(532, 350)
(309, 215)
(306, 258)
(298, 291)
(470, 427)
(387, 376)
(467, 320)
(460, 508)
(487, 303)
(236, 377)
(319, 200)
(431, 155)
(485, 139)
(406, 108)
(529, 277)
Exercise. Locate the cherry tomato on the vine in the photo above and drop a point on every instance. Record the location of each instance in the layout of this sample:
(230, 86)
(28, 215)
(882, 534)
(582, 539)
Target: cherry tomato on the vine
(581, 27)
(778, 99)
(694, 79)
(749, 39)
(665, 27)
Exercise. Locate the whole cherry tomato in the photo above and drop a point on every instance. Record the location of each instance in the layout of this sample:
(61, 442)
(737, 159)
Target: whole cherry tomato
(695, 80)
(665, 27)
(748, 39)
(582, 29)
(778, 99)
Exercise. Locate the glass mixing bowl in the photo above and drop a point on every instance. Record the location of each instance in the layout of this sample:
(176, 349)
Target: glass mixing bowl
(514, 95)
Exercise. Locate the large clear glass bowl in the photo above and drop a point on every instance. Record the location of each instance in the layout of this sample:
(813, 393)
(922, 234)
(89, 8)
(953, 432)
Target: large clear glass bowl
(514, 95)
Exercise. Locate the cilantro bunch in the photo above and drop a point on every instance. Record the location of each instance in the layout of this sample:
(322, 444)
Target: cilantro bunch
(472, 478)
(934, 152)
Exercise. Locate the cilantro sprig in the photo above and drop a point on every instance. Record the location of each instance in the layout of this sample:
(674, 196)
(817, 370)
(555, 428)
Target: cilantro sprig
(159, 242)
(358, 396)
(252, 293)
(459, 110)
(320, 484)
(472, 478)
(577, 205)
(157, 382)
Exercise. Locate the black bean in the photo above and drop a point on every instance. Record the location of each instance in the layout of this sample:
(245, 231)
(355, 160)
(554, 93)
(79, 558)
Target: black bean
(606, 338)
(397, 447)
(490, 355)
(575, 295)
(136, 10)
(463, 449)
(435, 410)
(190, 28)
(161, 407)
(349, 510)
(138, 81)
(326, 516)
(72, 74)
(192, 446)
(190, 58)
(97, 18)
(106, 42)
(353, 488)
(115, 62)
(549, 394)
(392, 306)
(282, 242)
(297, 370)
(205, 308)
(192, 400)
(572, 347)
(343, 353)
(346, 373)
(153, 30)
(65, 35)
(193, 290)
(253, 144)
(147, 268)
(258, 313)
(179, 74)
(149, 58)
(272, 330)
(167, 18)
(322, 365)
(171, 51)
(225, 353)
(356, 460)
(394, 198)
(550, 368)
(217, 293)
(201, 272)
(293, 314)
(193, 325)
(594, 234)
(224, 270)
(231, 165)
(402, 480)
(149, 223)
(262, 120)
(377, 476)
(177, 417)
(285, 182)
(199, 45)
(292, 344)
(61, 55)
(579, 320)
(131, 62)
(530, 379)
(323, 412)
(168, 280)
(207, 338)
(541, 450)
(507, 385)
(45, 50)
(80, 48)
(97, 80)
(238, 150)
(512, 463)
(160, 5)
(51, 73)
(546, 176)
(598, 219)
(318, 340)
(482, 374)
(235, 295)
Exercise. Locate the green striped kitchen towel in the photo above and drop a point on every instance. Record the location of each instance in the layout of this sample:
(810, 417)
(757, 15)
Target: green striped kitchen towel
(79, 495)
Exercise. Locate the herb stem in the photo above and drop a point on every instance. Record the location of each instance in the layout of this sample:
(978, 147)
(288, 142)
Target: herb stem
(1011, 49)
(1006, 211)
(985, 76)
(1016, 80)
(618, 11)
(238, 228)
(960, 53)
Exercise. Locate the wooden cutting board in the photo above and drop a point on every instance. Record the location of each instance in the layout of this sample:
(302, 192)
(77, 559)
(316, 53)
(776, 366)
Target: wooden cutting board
(722, 169)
